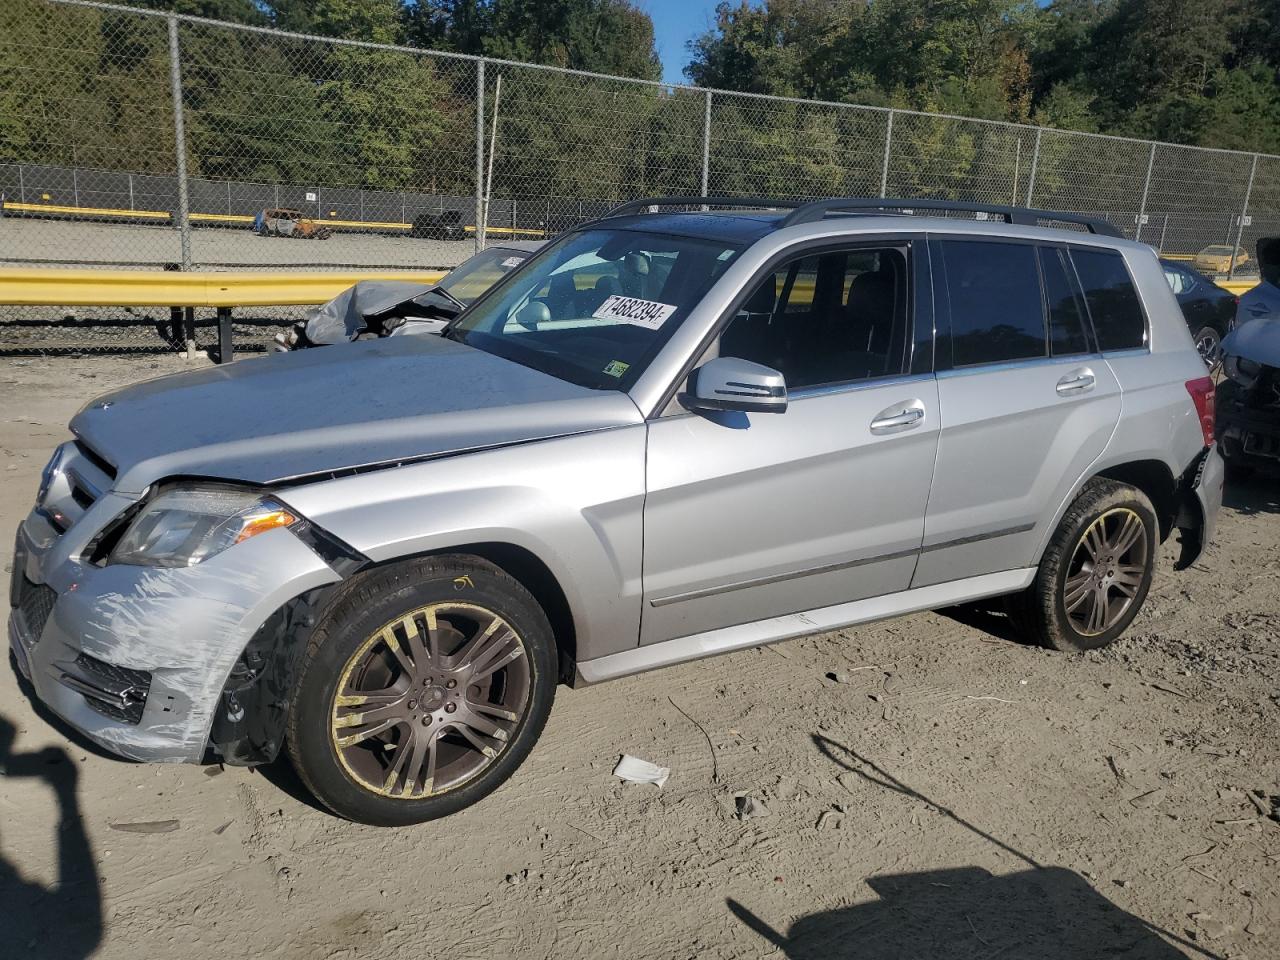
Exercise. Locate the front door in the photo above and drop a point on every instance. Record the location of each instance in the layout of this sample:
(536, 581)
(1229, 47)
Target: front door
(750, 516)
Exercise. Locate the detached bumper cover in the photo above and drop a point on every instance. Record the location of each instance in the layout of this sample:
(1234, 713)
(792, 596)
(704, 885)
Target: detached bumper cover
(136, 658)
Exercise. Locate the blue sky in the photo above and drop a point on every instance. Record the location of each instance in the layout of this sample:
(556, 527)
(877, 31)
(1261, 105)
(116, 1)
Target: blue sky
(674, 23)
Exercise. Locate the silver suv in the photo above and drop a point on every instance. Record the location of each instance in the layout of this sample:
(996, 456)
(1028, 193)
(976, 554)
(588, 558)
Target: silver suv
(667, 435)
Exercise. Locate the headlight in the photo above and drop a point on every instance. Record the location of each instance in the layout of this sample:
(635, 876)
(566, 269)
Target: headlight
(50, 473)
(1242, 371)
(185, 525)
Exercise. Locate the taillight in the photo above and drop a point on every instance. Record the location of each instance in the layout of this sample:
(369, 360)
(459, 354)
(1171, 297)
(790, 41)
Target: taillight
(1201, 391)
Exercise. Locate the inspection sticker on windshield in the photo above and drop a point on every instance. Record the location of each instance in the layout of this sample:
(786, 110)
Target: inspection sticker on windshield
(513, 261)
(641, 313)
(616, 368)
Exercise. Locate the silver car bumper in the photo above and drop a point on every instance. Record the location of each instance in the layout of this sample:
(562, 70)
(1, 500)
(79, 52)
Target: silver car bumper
(1208, 489)
(135, 658)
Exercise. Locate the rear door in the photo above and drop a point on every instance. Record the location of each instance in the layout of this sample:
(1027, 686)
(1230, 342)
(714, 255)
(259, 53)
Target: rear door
(750, 516)
(1026, 404)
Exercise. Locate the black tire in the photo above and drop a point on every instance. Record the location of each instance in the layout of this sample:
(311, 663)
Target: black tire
(1040, 612)
(1209, 345)
(377, 600)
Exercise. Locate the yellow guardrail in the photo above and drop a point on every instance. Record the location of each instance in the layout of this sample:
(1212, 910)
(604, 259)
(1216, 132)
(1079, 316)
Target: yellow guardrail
(161, 288)
(1238, 286)
(112, 213)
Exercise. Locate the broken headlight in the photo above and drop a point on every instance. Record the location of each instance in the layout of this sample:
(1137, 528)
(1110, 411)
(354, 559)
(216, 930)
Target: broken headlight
(185, 525)
(1242, 371)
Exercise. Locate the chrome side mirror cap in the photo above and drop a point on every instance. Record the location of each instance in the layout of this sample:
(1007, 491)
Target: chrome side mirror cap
(728, 383)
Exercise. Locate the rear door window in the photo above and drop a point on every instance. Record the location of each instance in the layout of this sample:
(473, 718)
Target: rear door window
(997, 313)
(1114, 305)
(1066, 310)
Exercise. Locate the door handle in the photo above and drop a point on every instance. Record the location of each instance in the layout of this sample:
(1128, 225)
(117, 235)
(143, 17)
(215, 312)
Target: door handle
(902, 416)
(1078, 381)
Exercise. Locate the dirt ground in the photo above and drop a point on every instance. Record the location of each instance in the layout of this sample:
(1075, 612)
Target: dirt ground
(934, 789)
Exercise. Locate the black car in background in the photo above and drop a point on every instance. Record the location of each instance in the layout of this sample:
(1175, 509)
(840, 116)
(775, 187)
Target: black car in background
(1209, 310)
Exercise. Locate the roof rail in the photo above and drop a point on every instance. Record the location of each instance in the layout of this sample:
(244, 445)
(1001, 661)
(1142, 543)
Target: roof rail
(1025, 216)
(754, 203)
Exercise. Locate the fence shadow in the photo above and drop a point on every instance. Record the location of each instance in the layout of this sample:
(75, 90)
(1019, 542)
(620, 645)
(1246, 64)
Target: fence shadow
(62, 921)
(966, 913)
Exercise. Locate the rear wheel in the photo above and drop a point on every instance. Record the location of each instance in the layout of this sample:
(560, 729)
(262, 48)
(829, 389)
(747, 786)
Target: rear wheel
(1096, 572)
(1209, 346)
(421, 691)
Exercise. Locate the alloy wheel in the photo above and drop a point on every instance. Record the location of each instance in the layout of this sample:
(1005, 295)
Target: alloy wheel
(1106, 571)
(430, 700)
(1209, 346)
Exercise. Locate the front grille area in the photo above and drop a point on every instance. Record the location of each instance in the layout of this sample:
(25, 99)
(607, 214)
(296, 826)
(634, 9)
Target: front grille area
(116, 692)
(36, 601)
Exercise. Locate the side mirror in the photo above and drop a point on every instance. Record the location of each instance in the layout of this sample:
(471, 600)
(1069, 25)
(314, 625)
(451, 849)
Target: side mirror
(728, 383)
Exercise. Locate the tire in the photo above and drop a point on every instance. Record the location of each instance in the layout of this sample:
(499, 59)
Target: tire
(453, 718)
(1209, 346)
(1042, 613)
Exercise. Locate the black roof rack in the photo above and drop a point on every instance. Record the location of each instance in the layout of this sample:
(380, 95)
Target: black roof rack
(1025, 216)
(749, 203)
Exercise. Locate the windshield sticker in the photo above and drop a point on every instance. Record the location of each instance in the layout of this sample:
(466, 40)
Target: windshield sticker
(513, 261)
(642, 313)
(616, 368)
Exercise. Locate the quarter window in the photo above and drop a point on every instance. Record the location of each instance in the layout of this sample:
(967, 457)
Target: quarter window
(1114, 306)
(832, 317)
(997, 313)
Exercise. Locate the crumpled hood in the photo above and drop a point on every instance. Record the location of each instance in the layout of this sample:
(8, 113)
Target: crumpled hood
(1256, 340)
(289, 415)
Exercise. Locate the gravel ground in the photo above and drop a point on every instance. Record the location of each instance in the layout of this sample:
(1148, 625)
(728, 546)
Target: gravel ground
(31, 241)
(933, 788)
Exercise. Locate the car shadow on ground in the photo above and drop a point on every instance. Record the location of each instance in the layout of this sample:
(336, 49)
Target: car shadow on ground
(966, 913)
(1254, 494)
(61, 921)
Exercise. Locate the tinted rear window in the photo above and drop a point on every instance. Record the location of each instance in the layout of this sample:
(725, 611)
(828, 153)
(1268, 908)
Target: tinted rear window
(1066, 312)
(996, 310)
(1114, 306)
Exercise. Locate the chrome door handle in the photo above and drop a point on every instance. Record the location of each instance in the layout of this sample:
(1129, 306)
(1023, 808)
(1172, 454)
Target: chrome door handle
(898, 417)
(1078, 381)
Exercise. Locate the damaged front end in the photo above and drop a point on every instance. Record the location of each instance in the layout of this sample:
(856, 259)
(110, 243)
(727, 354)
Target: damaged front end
(1249, 400)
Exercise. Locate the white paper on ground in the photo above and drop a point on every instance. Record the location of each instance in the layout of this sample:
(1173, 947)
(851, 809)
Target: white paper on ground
(634, 770)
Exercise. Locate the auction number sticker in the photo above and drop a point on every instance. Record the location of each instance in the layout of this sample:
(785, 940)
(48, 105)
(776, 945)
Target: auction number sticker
(513, 261)
(641, 313)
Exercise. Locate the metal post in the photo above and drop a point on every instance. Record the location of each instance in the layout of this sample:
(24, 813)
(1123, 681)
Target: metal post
(1017, 162)
(706, 146)
(884, 168)
(228, 198)
(225, 346)
(1035, 166)
(131, 206)
(180, 144)
(1146, 188)
(478, 239)
(1163, 230)
(75, 188)
(22, 186)
(1244, 212)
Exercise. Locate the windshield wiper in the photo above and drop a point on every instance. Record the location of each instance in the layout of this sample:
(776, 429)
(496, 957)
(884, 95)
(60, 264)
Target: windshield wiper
(448, 296)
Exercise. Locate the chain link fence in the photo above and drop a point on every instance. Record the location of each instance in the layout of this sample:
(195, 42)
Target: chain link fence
(143, 140)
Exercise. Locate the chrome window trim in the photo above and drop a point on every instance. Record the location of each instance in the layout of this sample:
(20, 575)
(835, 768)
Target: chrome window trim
(850, 386)
(980, 368)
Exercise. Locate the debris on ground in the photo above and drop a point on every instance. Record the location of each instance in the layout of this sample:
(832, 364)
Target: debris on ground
(749, 808)
(146, 826)
(634, 770)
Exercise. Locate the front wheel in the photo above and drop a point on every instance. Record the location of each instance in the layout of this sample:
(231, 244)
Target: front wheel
(422, 689)
(1096, 571)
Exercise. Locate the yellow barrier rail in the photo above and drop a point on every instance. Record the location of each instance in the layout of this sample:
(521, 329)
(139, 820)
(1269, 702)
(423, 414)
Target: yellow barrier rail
(112, 213)
(161, 288)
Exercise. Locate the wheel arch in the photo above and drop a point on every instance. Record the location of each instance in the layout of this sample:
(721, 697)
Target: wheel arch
(1152, 477)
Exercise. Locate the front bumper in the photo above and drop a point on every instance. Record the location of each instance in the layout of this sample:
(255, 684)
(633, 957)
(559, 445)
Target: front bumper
(135, 658)
(1248, 434)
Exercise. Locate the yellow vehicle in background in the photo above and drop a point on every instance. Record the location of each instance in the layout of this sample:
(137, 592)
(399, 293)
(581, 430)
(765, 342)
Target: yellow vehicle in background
(1216, 259)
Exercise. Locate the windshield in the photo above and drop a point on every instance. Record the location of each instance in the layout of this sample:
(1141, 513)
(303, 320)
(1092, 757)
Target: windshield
(595, 307)
(474, 276)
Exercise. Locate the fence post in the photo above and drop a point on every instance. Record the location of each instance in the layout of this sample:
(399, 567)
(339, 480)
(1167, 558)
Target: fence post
(22, 186)
(1035, 166)
(884, 167)
(478, 236)
(180, 146)
(706, 147)
(1244, 212)
(1146, 188)
(131, 206)
(75, 188)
